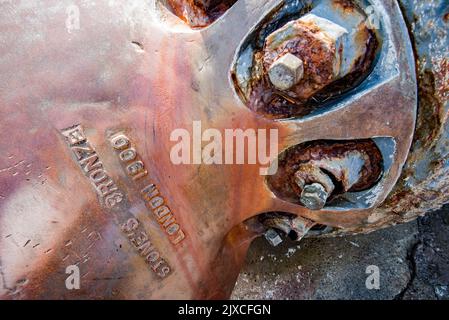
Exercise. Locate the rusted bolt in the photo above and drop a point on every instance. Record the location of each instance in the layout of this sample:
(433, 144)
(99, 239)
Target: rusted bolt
(295, 227)
(313, 45)
(331, 35)
(311, 172)
(324, 48)
(314, 196)
(334, 169)
(316, 185)
(273, 237)
(342, 168)
(286, 71)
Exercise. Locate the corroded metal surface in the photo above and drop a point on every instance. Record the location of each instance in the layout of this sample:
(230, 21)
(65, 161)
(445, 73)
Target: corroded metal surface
(294, 227)
(333, 39)
(199, 13)
(317, 161)
(330, 51)
(86, 175)
(423, 185)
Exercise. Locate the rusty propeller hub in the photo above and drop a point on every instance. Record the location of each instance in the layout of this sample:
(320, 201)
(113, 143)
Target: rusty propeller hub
(91, 96)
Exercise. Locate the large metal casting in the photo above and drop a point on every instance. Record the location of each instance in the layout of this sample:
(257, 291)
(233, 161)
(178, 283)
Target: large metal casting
(87, 112)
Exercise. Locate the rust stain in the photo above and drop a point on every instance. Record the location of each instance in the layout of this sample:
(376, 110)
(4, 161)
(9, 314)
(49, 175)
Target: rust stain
(346, 5)
(199, 13)
(319, 84)
(283, 183)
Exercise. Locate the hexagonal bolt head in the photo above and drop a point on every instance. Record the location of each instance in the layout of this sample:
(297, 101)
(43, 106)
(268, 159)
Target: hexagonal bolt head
(314, 196)
(273, 237)
(320, 37)
(330, 34)
(286, 71)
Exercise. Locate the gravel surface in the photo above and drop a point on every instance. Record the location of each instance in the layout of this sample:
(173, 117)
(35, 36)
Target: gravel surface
(412, 260)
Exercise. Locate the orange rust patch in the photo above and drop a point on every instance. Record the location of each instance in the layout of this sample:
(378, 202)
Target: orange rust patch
(346, 5)
(199, 13)
(283, 183)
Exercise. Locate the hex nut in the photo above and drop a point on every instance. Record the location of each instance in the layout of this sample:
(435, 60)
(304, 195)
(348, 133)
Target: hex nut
(273, 237)
(331, 34)
(286, 71)
(314, 196)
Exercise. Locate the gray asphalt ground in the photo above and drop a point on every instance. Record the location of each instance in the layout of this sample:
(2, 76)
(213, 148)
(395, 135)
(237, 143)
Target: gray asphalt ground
(412, 260)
